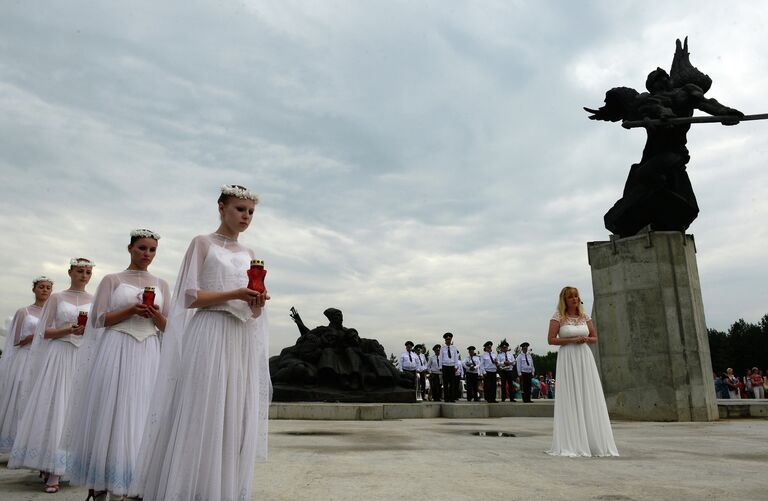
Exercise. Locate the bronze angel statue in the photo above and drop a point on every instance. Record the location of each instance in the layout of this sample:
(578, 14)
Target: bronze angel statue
(658, 194)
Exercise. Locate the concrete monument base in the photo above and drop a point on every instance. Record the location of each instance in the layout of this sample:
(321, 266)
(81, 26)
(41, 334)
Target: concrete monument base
(653, 350)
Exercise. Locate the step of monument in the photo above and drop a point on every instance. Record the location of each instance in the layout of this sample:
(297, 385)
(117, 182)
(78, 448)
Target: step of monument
(329, 411)
(757, 408)
(419, 410)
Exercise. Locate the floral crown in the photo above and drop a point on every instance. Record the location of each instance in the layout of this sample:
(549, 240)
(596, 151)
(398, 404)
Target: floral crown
(239, 192)
(75, 261)
(144, 233)
(41, 278)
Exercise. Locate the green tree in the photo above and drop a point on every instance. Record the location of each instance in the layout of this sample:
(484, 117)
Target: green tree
(744, 346)
(545, 363)
(720, 350)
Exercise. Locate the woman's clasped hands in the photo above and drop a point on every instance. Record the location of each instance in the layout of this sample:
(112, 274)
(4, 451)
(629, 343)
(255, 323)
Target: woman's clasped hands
(252, 297)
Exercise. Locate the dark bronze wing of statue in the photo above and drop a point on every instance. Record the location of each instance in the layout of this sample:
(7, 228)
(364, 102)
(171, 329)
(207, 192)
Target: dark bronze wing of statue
(683, 72)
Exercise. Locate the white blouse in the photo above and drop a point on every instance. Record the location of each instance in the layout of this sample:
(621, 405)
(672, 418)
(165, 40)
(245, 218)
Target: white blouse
(121, 290)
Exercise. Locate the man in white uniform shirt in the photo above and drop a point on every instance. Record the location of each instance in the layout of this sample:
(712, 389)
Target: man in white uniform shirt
(448, 360)
(506, 372)
(472, 368)
(435, 370)
(422, 370)
(525, 370)
(409, 362)
(489, 371)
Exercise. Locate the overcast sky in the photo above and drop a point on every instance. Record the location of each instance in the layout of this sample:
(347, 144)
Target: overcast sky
(425, 166)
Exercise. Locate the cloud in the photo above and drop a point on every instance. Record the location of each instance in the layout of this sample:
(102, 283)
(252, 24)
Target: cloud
(425, 167)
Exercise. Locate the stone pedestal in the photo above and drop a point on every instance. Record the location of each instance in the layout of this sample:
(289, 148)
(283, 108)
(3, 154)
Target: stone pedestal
(653, 350)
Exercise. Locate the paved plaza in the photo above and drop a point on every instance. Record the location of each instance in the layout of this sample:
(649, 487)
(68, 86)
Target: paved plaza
(461, 459)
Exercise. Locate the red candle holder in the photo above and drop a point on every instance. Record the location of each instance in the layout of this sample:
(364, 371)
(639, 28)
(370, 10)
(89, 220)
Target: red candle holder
(256, 276)
(148, 298)
(82, 319)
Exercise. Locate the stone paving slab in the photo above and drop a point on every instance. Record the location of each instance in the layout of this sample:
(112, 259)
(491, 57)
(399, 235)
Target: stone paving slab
(441, 459)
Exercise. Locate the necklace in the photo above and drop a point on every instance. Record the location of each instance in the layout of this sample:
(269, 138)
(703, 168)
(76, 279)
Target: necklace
(226, 237)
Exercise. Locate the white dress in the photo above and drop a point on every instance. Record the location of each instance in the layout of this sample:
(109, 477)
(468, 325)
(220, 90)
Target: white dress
(13, 368)
(582, 426)
(52, 366)
(115, 381)
(208, 419)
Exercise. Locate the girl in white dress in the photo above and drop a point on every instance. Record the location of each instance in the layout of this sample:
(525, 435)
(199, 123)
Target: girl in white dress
(582, 426)
(116, 374)
(53, 362)
(13, 363)
(208, 417)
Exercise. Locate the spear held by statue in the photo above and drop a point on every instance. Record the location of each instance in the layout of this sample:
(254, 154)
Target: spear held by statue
(725, 120)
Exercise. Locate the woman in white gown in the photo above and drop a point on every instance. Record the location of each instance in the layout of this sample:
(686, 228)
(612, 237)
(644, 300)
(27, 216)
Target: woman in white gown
(207, 424)
(53, 362)
(13, 363)
(582, 426)
(116, 374)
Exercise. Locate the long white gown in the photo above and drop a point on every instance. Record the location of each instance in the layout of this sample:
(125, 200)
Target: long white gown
(582, 426)
(52, 366)
(115, 380)
(208, 418)
(13, 373)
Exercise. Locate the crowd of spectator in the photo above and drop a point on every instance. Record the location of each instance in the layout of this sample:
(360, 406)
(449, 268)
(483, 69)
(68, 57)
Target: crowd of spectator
(752, 385)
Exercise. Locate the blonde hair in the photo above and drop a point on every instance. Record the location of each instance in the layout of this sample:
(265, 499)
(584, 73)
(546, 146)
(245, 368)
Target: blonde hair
(561, 306)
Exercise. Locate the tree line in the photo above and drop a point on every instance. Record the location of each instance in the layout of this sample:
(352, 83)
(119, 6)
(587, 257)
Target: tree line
(743, 346)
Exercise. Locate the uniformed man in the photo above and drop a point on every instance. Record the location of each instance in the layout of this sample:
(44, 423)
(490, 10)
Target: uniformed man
(458, 386)
(472, 371)
(448, 361)
(489, 371)
(506, 372)
(435, 371)
(409, 362)
(525, 370)
(422, 370)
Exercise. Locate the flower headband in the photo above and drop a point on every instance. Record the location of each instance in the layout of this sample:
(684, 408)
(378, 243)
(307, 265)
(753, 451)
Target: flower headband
(41, 278)
(81, 262)
(236, 191)
(145, 233)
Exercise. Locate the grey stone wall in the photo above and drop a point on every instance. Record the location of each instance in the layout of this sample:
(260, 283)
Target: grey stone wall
(653, 348)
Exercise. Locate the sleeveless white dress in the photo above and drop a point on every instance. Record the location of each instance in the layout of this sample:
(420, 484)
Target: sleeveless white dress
(13, 376)
(52, 366)
(582, 426)
(116, 378)
(207, 424)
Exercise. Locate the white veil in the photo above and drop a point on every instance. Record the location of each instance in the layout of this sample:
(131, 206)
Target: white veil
(40, 344)
(77, 411)
(9, 348)
(165, 399)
